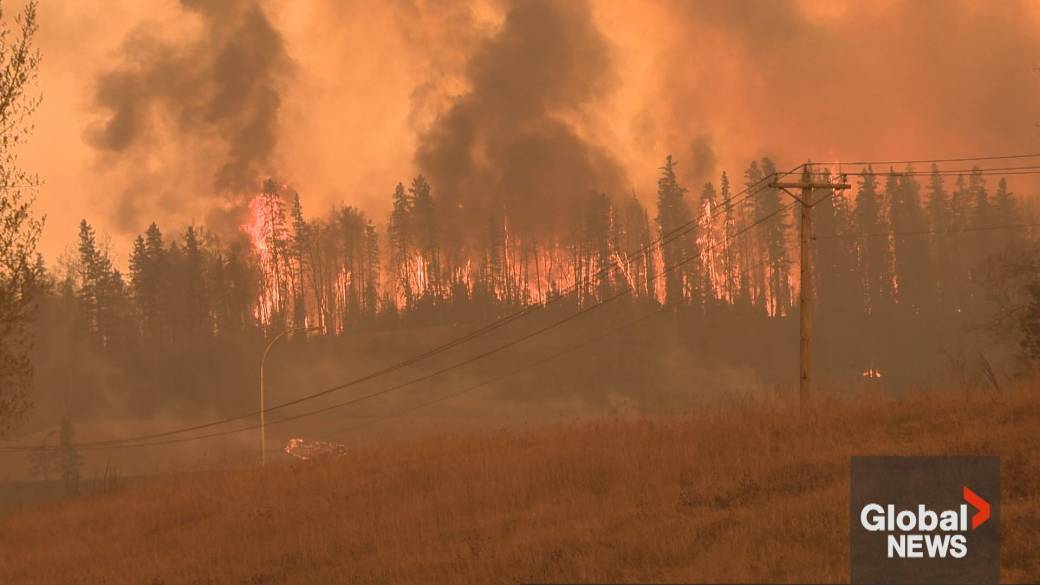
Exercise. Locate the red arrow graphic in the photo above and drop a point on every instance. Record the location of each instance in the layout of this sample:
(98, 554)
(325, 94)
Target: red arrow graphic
(981, 505)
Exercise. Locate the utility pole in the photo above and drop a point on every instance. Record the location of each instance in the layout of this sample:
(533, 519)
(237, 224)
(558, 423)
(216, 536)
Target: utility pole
(263, 360)
(805, 282)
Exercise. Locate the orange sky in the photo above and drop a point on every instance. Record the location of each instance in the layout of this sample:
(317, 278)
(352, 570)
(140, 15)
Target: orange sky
(714, 83)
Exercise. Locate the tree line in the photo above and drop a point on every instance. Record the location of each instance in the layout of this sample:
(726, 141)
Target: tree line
(893, 251)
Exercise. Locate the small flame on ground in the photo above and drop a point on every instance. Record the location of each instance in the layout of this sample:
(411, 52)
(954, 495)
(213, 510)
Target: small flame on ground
(305, 449)
(871, 373)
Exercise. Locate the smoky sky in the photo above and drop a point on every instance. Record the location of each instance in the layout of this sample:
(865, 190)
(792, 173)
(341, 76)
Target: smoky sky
(207, 103)
(508, 147)
(522, 107)
(847, 80)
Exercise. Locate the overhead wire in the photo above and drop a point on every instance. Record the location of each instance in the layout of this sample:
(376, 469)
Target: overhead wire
(109, 445)
(499, 323)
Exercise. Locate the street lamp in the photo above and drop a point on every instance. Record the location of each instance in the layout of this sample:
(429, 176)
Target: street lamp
(263, 360)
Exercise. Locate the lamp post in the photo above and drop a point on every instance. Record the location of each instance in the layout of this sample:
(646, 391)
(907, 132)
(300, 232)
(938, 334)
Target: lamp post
(263, 360)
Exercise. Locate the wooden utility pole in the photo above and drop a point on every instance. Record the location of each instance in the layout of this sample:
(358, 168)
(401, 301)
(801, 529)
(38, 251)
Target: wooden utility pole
(805, 282)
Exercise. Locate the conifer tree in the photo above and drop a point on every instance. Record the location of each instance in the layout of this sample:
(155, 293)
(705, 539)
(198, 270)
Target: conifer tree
(713, 263)
(729, 233)
(426, 230)
(913, 271)
(1006, 215)
(297, 264)
(197, 314)
(833, 261)
(597, 258)
(636, 245)
(939, 223)
(753, 285)
(874, 252)
(678, 255)
(401, 242)
(372, 270)
(101, 292)
(773, 237)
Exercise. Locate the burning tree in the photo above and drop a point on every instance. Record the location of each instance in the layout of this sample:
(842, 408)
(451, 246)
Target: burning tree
(270, 238)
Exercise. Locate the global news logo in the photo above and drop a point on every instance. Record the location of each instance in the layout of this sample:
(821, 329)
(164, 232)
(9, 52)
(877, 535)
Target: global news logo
(925, 520)
(925, 533)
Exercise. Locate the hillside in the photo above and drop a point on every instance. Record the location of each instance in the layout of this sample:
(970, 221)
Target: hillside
(739, 494)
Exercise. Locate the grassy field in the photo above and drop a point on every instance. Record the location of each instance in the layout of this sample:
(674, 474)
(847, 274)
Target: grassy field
(740, 494)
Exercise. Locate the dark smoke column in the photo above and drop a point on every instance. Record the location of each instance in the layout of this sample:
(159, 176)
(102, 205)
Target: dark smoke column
(207, 107)
(510, 145)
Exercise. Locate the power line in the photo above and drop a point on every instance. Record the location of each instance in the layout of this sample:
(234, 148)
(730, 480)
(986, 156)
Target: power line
(520, 370)
(927, 232)
(664, 239)
(930, 160)
(613, 264)
(108, 445)
(946, 173)
(544, 360)
(759, 186)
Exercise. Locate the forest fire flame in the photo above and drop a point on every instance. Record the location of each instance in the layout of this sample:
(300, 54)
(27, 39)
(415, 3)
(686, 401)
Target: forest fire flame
(308, 449)
(261, 229)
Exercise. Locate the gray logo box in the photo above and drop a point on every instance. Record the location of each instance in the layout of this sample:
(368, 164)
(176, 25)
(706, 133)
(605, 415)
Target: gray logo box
(938, 483)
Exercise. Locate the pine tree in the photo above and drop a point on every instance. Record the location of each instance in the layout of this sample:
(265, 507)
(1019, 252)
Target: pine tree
(774, 236)
(100, 292)
(149, 271)
(401, 242)
(960, 253)
(713, 262)
(234, 282)
(372, 271)
(138, 272)
(298, 265)
(913, 271)
(729, 233)
(835, 260)
(636, 244)
(940, 222)
(982, 212)
(351, 225)
(1005, 214)
(874, 252)
(426, 230)
(678, 254)
(88, 277)
(597, 260)
(197, 314)
(273, 258)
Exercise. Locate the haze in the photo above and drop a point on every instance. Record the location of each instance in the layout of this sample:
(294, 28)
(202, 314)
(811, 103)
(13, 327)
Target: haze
(354, 88)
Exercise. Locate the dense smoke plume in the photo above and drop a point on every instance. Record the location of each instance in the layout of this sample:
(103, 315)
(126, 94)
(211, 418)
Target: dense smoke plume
(195, 118)
(832, 80)
(381, 91)
(512, 145)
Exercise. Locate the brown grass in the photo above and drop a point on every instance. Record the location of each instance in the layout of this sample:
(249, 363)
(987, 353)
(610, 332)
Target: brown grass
(748, 494)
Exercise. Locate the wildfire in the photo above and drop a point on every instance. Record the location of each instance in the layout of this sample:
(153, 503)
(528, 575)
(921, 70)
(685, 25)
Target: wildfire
(871, 373)
(265, 228)
(306, 450)
(256, 227)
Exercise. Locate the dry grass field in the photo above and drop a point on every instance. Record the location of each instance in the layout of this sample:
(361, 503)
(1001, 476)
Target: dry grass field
(741, 494)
